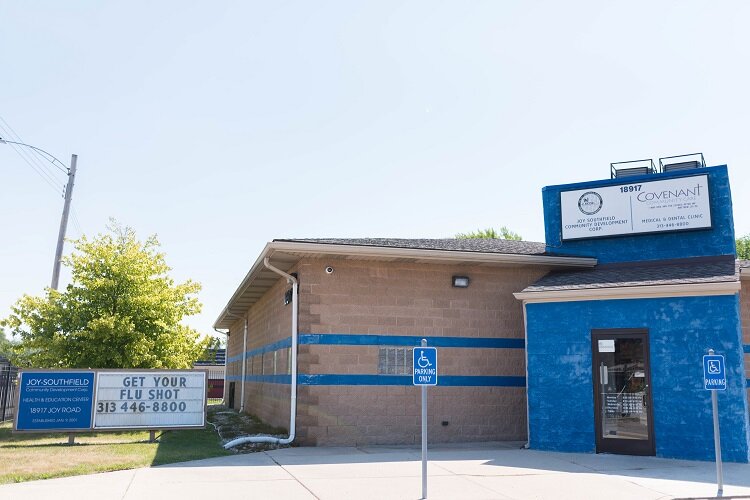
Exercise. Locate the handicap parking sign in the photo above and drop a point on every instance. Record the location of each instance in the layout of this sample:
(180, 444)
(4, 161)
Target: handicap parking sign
(425, 366)
(714, 373)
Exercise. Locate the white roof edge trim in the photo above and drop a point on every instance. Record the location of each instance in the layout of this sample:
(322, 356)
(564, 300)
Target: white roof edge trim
(243, 285)
(412, 253)
(631, 292)
(429, 254)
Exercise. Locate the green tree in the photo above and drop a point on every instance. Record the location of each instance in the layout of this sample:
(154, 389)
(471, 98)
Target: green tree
(743, 247)
(490, 233)
(5, 345)
(121, 310)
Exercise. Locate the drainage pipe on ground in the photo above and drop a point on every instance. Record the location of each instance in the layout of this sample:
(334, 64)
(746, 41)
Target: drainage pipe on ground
(293, 400)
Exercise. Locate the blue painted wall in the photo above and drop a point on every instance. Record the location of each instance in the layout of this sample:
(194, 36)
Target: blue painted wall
(560, 394)
(655, 246)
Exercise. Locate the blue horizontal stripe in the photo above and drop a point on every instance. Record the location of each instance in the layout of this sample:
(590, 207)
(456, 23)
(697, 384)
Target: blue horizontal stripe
(336, 379)
(746, 348)
(376, 340)
(390, 380)
(270, 379)
(410, 340)
(281, 344)
(481, 381)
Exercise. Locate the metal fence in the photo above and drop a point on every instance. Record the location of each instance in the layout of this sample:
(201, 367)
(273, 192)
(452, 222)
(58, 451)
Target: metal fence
(8, 388)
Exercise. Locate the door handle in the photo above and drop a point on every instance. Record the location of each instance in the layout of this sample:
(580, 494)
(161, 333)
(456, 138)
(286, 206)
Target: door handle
(603, 374)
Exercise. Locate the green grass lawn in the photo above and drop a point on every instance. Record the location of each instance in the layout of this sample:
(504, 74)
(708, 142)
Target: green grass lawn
(28, 456)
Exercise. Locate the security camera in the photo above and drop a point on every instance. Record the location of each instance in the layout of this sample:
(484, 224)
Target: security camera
(329, 270)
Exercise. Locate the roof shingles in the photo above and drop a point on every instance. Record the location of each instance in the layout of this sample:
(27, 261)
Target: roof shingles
(483, 245)
(676, 272)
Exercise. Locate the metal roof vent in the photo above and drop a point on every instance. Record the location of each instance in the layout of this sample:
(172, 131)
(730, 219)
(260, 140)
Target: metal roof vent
(686, 162)
(631, 168)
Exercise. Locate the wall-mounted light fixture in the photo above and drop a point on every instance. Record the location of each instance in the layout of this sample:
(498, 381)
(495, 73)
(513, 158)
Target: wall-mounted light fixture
(461, 281)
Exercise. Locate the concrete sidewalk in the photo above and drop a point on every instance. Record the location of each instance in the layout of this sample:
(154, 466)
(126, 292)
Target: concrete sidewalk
(487, 471)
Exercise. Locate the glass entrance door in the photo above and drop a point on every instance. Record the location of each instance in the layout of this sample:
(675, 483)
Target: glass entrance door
(622, 392)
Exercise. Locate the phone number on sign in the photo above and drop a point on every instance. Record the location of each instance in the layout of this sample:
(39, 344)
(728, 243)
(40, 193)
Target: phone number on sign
(164, 406)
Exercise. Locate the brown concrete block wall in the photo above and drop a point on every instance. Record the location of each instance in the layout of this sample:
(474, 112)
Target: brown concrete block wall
(410, 299)
(366, 297)
(391, 415)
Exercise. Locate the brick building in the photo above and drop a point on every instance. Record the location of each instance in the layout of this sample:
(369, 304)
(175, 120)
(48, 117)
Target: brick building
(363, 304)
(533, 321)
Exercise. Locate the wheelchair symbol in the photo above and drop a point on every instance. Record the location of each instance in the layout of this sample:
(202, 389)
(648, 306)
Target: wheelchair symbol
(423, 362)
(714, 367)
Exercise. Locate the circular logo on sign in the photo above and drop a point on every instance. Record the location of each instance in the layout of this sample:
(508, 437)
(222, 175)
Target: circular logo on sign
(590, 203)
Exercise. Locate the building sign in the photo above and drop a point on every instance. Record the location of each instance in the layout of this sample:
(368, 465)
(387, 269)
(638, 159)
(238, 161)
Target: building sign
(606, 345)
(640, 207)
(150, 399)
(55, 401)
(626, 404)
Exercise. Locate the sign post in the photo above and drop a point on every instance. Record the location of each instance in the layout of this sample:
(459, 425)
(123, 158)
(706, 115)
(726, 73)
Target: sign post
(715, 379)
(424, 374)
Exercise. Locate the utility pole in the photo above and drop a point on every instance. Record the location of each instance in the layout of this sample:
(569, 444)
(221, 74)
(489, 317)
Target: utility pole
(64, 222)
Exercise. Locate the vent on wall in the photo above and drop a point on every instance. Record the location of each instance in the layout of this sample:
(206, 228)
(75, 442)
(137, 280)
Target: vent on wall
(631, 168)
(682, 162)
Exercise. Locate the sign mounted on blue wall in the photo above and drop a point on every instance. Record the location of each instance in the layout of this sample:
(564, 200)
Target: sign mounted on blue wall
(714, 373)
(55, 401)
(425, 366)
(674, 204)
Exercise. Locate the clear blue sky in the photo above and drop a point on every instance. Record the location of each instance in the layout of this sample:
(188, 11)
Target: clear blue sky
(220, 126)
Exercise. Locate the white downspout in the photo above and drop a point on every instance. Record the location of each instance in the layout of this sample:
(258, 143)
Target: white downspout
(293, 401)
(244, 366)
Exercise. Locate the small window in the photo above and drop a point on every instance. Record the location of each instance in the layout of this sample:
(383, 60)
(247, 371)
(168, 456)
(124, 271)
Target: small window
(394, 361)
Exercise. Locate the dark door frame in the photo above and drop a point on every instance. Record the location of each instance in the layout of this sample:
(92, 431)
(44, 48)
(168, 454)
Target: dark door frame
(622, 446)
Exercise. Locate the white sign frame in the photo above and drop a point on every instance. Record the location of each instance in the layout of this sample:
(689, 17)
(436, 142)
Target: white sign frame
(637, 207)
(145, 382)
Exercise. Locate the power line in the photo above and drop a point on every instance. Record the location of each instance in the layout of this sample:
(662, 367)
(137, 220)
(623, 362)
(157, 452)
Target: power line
(76, 223)
(45, 177)
(32, 161)
(37, 154)
(27, 152)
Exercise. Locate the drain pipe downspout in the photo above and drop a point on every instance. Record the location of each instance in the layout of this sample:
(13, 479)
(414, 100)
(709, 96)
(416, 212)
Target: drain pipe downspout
(244, 365)
(225, 393)
(244, 361)
(293, 400)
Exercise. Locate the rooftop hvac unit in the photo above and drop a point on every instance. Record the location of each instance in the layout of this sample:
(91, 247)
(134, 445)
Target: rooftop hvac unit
(684, 162)
(629, 172)
(633, 168)
(685, 165)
